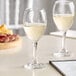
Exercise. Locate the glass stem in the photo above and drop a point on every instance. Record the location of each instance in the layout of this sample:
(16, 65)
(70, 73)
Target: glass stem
(63, 42)
(34, 52)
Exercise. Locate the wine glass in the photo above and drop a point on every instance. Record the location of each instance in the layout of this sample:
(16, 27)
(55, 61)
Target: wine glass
(63, 15)
(34, 22)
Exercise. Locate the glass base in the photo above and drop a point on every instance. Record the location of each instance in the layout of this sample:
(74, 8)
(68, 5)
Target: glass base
(62, 54)
(35, 66)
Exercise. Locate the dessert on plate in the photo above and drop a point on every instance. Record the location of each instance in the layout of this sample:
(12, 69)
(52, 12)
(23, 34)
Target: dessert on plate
(8, 39)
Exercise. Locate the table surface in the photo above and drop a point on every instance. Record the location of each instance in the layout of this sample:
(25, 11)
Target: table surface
(12, 60)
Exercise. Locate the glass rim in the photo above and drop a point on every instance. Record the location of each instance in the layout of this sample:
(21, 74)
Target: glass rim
(63, 1)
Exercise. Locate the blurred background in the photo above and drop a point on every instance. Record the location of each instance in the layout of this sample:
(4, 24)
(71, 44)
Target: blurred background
(11, 12)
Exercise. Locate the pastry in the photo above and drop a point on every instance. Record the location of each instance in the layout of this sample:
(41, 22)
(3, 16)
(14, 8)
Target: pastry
(8, 39)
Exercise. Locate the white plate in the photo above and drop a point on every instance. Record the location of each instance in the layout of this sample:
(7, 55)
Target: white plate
(11, 50)
(70, 34)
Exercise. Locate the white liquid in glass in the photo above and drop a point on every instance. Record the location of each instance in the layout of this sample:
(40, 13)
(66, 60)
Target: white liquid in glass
(35, 30)
(63, 21)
